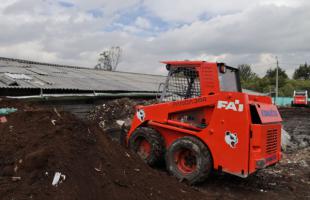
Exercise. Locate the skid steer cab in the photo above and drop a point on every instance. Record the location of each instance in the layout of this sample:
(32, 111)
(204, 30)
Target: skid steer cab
(205, 122)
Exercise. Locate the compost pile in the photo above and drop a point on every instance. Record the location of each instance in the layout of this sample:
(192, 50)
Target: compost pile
(116, 113)
(37, 143)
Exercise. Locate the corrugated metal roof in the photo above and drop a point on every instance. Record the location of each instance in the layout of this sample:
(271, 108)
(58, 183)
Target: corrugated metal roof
(50, 76)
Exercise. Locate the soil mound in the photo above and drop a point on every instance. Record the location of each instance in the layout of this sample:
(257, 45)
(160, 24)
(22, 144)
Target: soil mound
(36, 143)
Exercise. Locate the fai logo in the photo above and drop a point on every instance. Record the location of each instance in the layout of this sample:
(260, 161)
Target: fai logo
(231, 139)
(230, 105)
(141, 115)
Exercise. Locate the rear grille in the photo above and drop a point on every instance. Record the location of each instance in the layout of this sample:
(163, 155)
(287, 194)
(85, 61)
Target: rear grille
(272, 141)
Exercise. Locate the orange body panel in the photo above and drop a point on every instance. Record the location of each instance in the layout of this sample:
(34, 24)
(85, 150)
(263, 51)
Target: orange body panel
(243, 132)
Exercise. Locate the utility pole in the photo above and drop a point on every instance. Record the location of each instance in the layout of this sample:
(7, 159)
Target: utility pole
(277, 80)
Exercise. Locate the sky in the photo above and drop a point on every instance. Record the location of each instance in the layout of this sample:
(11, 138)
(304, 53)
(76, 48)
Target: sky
(236, 32)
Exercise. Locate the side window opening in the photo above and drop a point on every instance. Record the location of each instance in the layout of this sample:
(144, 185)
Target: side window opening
(229, 79)
(182, 83)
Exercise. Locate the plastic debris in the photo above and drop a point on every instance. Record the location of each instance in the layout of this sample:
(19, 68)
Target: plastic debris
(285, 139)
(3, 120)
(120, 122)
(97, 169)
(6, 111)
(53, 122)
(58, 178)
(16, 178)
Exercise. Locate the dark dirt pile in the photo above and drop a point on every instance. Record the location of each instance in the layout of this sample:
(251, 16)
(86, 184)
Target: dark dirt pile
(35, 143)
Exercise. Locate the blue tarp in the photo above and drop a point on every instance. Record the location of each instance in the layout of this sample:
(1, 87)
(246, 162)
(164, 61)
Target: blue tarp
(283, 101)
(6, 111)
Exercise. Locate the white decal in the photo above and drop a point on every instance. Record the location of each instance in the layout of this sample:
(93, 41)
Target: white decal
(230, 105)
(231, 139)
(141, 115)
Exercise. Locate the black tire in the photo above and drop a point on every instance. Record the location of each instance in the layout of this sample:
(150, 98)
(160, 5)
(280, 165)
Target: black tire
(117, 134)
(149, 136)
(113, 133)
(189, 159)
(122, 137)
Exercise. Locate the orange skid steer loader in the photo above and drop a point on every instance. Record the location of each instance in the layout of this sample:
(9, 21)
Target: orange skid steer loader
(300, 98)
(204, 122)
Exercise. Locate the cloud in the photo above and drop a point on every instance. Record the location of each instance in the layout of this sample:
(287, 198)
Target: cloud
(142, 23)
(185, 11)
(76, 31)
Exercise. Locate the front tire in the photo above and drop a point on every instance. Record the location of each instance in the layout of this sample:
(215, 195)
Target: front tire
(189, 159)
(148, 144)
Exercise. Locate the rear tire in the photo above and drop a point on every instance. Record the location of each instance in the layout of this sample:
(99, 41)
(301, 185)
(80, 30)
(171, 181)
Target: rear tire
(189, 159)
(148, 144)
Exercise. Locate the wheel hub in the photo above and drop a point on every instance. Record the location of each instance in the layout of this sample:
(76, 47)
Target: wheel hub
(186, 161)
(144, 149)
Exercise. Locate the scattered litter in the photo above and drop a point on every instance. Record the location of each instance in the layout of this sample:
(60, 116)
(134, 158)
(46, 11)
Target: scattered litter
(120, 122)
(127, 154)
(58, 178)
(285, 139)
(183, 191)
(16, 178)
(57, 113)
(3, 119)
(303, 163)
(15, 168)
(53, 122)
(97, 169)
(137, 170)
(102, 124)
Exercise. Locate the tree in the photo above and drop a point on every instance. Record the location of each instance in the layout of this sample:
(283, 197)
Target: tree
(246, 73)
(109, 59)
(271, 73)
(270, 78)
(302, 73)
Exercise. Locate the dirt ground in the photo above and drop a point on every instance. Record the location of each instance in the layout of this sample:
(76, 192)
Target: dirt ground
(297, 123)
(35, 143)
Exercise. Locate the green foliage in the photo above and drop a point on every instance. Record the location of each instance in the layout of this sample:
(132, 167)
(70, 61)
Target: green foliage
(302, 73)
(271, 77)
(267, 84)
(246, 73)
(271, 73)
(295, 85)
